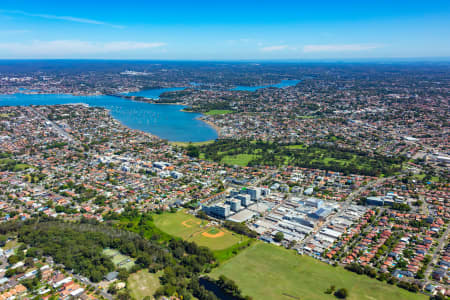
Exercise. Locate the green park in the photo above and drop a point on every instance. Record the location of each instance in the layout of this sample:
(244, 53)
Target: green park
(265, 271)
(193, 229)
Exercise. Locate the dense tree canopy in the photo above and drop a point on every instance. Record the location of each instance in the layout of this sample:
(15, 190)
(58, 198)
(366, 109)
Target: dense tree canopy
(79, 247)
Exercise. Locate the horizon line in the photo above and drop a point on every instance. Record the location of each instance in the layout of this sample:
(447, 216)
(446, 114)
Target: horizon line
(253, 60)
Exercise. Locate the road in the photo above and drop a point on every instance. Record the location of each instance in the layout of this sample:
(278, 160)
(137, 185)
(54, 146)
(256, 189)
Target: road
(344, 206)
(442, 242)
(98, 289)
(54, 126)
(80, 278)
(269, 174)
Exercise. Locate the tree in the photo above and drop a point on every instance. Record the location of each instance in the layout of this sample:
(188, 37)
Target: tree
(341, 293)
(279, 236)
(291, 244)
(11, 272)
(13, 259)
(96, 276)
(438, 296)
(202, 215)
(193, 151)
(3, 240)
(30, 284)
(144, 260)
(228, 286)
(123, 295)
(33, 252)
(112, 289)
(372, 273)
(29, 262)
(123, 274)
(330, 290)
(240, 228)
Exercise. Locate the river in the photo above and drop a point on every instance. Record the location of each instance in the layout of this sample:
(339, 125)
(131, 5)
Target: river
(166, 121)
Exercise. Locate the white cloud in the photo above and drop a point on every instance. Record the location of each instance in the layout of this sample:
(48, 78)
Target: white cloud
(65, 48)
(338, 48)
(274, 48)
(62, 18)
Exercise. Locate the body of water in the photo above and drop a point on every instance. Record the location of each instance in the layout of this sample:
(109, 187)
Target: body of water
(282, 84)
(165, 121)
(212, 287)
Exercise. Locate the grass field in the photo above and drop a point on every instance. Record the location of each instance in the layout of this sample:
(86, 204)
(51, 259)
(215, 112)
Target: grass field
(240, 159)
(190, 228)
(213, 230)
(218, 112)
(266, 271)
(118, 259)
(143, 283)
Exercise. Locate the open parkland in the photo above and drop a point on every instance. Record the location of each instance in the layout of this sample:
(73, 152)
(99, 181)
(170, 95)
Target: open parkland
(265, 271)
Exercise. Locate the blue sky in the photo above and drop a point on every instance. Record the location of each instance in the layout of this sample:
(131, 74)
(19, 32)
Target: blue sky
(224, 30)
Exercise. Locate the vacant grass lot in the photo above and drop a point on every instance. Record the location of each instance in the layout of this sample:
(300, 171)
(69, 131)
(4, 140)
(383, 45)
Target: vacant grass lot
(143, 283)
(190, 228)
(265, 271)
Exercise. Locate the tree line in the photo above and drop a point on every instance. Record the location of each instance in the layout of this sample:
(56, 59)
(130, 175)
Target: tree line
(240, 228)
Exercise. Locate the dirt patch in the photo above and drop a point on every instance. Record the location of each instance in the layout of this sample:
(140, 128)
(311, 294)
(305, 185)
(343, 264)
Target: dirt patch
(188, 223)
(213, 236)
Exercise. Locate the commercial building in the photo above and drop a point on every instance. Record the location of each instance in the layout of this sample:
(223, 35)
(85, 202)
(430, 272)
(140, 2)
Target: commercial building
(219, 210)
(235, 204)
(314, 202)
(321, 213)
(245, 199)
(378, 201)
(255, 193)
